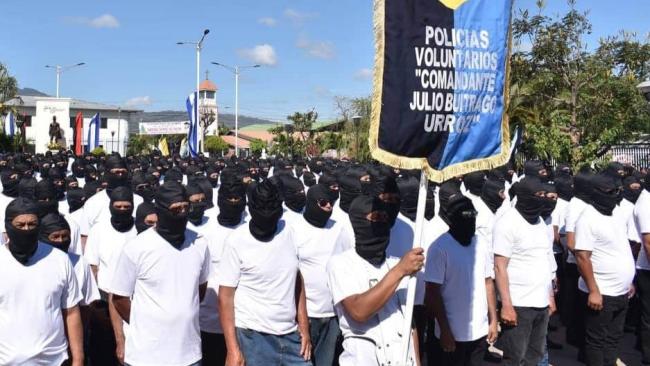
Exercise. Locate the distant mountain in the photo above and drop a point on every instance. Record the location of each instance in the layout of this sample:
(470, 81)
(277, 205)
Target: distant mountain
(31, 92)
(225, 118)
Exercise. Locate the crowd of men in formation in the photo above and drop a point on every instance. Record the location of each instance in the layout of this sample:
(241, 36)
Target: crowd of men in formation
(153, 260)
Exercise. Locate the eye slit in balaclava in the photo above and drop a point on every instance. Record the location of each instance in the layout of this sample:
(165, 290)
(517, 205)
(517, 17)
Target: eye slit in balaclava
(318, 209)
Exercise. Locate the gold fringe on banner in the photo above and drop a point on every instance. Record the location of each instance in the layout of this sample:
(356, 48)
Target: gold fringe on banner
(403, 162)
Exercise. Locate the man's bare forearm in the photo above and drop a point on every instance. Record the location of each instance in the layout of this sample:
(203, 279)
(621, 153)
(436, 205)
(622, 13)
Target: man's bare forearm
(491, 299)
(583, 259)
(362, 307)
(301, 304)
(227, 316)
(116, 320)
(502, 280)
(74, 331)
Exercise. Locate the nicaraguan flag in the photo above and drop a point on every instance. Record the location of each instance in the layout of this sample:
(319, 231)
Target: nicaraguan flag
(10, 124)
(93, 132)
(192, 134)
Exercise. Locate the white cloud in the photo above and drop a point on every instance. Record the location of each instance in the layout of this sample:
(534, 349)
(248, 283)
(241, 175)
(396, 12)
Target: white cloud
(297, 17)
(363, 74)
(262, 54)
(102, 21)
(317, 49)
(268, 21)
(138, 101)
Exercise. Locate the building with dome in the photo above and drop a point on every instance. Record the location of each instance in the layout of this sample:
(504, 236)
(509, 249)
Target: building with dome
(208, 104)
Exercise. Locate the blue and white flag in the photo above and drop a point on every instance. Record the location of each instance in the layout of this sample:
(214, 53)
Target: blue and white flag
(440, 92)
(93, 132)
(192, 134)
(10, 124)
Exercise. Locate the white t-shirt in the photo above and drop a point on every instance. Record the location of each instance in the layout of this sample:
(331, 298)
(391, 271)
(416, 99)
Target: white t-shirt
(164, 285)
(611, 255)
(461, 271)
(402, 237)
(4, 202)
(558, 217)
(529, 268)
(31, 298)
(103, 247)
(315, 248)
(97, 209)
(624, 212)
(290, 216)
(75, 235)
(484, 223)
(264, 274)
(642, 223)
(85, 279)
(377, 341)
(209, 320)
(573, 212)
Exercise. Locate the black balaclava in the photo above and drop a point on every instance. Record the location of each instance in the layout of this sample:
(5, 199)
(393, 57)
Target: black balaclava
(79, 168)
(615, 170)
(582, 186)
(330, 181)
(76, 198)
(528, 204)
(46, 200)
(293, 193)
(174, 175)
(382, 184)
(564, 187)
(448, 189)
(371, 238)
(350, 188)
(309, 178)
(50, 223)
(58, 179)
(532, 168)
(142, 187)
(27, 188)
(430, 205)
(604, 193)
(71, 182)
(265, 207)
(171, 226)
(549, 204)
(563, 170)
(629, 193)
(121, 220)
(492, 194)
(197, 209)
(22, 243)
(90, 174)
(460, 216)
(115, 180)
(314, 214)
(10, 180)
(91, 188)
(44, 168)
(408, 191)
(230, 212)
(212, 173)
(474, 182)
(144, 209)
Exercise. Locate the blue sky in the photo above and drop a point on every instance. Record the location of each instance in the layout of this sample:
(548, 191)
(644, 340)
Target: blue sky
(312, 50)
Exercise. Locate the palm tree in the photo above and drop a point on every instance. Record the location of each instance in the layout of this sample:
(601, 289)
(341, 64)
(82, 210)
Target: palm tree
(8, 89)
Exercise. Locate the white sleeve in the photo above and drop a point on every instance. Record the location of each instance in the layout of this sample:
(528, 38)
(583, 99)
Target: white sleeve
(436, 265)
(207, 263)
(585, 239)
(502, 240)
(339, 280)
(89, 290)
(71, 295)
(642, 218)
(91, 253)
(84, 224)
(124, 275)
(230, 267)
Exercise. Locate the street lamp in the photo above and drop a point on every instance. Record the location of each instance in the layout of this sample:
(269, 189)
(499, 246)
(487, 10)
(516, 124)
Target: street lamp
(356, 121)
(198, 45)
(236, 70)
(59, 70)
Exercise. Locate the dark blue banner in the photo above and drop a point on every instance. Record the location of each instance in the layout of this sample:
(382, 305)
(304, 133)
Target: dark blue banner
(440, 85)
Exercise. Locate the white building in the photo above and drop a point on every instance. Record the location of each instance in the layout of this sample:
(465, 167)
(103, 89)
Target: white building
(208, 104)
(37, 112)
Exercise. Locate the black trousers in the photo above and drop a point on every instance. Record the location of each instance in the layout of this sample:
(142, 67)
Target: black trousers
(524, 343)
(213, 348)
(604, 330)
(643, 291)
(466, 353)
(572, 306)
(101, 345)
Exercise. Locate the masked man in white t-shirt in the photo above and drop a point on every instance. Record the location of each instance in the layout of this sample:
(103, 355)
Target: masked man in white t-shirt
(606, 266)
(642, 223)
(369, 290)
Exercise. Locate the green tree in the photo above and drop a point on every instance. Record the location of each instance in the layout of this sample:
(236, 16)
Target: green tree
(355, 137)
(257, 146)
(8, 89)
(215, 145)
(140, 144)
(574, 103)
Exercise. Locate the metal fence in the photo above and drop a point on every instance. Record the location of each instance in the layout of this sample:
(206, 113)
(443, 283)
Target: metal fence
(109, 145)
(636, 155)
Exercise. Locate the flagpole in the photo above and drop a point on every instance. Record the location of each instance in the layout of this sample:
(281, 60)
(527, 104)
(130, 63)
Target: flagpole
(417, 243)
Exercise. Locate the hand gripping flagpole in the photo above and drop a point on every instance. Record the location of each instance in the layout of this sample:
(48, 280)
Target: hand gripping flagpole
(417, 243)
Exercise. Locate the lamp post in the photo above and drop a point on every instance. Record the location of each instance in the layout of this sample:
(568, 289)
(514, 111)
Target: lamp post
(59, 70)
(356, 121)
(236, 70)
(198, 45)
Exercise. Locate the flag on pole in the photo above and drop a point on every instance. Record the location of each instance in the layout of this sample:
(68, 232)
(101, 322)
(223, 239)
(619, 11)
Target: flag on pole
(192, 134)
(163, 147)
(78, 134)
(93, 132)
(10, 124)
(440, 94)
(184, 151)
